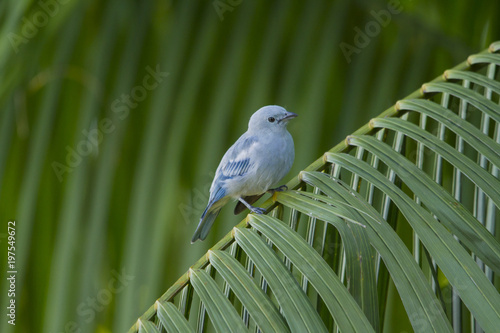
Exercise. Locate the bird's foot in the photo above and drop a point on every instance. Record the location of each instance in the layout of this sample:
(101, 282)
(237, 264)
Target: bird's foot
(278, 189)
(257, 210)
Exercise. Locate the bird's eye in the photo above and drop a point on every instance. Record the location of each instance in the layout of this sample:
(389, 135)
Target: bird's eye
(271, 119)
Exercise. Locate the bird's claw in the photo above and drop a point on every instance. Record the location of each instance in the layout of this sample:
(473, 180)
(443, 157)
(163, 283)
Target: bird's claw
(278, 189)
(282, 188)
(258, 210)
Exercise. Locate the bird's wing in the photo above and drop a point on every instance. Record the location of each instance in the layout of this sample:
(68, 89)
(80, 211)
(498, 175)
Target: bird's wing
(208, 216)
(237, 160)
(215, 196)
(235, 168)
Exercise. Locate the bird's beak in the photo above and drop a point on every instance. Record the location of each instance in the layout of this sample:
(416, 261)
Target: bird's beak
(289, 115)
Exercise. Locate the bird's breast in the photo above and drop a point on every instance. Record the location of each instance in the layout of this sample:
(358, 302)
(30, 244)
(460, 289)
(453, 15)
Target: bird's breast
(273, 159)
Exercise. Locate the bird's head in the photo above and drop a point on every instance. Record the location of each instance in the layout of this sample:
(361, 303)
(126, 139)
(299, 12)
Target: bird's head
(270, 118)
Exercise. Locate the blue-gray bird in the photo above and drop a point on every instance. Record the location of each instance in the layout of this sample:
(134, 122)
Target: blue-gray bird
(261, 157)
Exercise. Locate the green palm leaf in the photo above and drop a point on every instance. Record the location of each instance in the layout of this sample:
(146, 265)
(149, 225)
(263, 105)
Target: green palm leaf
(364, 179)
(394, 229)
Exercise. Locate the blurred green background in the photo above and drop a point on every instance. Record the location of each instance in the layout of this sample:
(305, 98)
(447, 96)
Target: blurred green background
(114, 116)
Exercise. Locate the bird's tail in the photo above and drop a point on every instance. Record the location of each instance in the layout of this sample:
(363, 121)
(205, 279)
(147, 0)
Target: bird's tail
(206, 221)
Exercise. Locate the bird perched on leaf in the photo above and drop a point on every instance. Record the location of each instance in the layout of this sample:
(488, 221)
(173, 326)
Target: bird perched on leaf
(261, 157)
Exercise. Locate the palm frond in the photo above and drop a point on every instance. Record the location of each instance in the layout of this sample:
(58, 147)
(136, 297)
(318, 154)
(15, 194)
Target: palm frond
(348, 191)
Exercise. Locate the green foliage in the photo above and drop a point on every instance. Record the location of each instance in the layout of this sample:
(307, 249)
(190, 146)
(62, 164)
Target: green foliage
(373, 182)
(106, 190)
